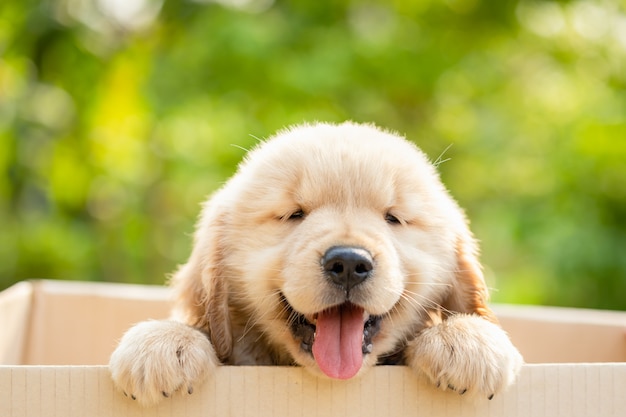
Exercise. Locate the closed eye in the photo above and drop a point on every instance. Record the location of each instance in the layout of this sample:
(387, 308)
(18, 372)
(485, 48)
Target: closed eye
(296, 215)
(391, 219)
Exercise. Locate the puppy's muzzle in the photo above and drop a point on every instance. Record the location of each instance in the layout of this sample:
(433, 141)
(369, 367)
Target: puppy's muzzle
(347, 266)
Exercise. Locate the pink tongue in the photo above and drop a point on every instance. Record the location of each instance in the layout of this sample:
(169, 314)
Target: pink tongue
(337, 347)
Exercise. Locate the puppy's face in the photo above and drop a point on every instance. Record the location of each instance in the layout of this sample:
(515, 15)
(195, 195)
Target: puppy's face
(335, 242)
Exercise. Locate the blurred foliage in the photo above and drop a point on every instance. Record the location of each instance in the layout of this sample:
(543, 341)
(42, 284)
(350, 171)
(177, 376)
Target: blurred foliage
(118, 117)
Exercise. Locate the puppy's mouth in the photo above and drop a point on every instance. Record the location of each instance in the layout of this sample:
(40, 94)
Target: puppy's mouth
(337, 337)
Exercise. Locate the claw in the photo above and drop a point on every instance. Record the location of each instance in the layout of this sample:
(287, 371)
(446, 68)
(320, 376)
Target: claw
(451, 387)
(190, 390)
(463, 391)
(133, 397)
(490, 397)
(165, 394)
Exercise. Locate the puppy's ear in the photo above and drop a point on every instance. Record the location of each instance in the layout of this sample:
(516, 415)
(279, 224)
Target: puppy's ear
(200, 290)
(469, 291)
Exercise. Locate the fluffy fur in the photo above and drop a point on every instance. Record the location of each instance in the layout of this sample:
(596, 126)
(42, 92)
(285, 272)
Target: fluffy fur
(254, 286)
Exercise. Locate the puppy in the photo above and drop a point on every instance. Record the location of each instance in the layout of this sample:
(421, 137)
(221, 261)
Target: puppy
(336, 248)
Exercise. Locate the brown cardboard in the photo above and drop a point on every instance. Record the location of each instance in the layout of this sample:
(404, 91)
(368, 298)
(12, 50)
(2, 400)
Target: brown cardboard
(72, 323)
(45, 323)
(554, 334)
(542, 390)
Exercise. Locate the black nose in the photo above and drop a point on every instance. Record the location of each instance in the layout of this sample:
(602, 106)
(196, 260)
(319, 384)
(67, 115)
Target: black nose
(347, 266)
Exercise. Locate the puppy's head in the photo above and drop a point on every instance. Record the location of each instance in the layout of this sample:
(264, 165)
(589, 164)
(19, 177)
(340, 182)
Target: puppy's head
(334, 243)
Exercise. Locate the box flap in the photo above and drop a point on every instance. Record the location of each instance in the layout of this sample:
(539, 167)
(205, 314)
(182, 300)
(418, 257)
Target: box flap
(557, 334)
(15, 309)
(80, 323)
(542, 391)
(75, 323)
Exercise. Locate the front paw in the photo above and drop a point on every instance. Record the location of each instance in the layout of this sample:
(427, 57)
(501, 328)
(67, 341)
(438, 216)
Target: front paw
(156, 358)
(467, 354)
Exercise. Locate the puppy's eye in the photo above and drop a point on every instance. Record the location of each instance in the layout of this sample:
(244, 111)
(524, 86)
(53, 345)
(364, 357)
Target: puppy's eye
(391, 219)
(296, 215)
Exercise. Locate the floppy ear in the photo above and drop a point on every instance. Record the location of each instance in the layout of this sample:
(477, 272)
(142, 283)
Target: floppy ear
(200, 290)
(469, 291)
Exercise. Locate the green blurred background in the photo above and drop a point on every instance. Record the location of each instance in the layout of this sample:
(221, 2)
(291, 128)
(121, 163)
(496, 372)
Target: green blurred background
(118, 117)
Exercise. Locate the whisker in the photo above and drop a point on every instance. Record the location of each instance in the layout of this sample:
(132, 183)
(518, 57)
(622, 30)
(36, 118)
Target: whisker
(234, 145)
(440, 159)
(257, 317)
(433, 284)
(422, 302)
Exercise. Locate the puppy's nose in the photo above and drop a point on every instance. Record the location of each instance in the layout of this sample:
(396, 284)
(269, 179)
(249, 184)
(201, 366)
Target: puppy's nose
(347, 266)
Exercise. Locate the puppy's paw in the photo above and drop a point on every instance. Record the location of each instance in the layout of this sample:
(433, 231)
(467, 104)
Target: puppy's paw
(156, 358)
(466, 354)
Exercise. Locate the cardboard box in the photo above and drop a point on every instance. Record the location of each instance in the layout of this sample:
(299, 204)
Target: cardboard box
(56, 336)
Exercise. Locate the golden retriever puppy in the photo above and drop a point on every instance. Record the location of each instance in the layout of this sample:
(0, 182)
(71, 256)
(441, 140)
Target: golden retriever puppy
(336, 248)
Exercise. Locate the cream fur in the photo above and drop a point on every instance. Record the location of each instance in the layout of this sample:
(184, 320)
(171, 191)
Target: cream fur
(157, 358)
(346, 180)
